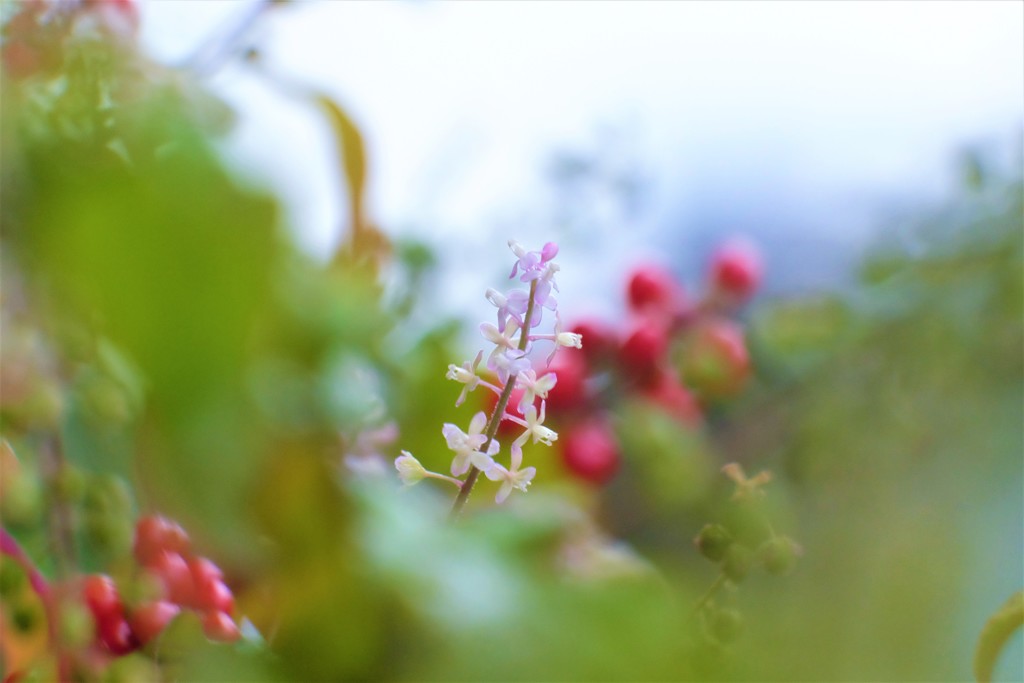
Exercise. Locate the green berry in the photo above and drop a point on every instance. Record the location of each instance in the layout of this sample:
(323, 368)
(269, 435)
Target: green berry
(76, 625)
(69, 484)
(778, 555)
(22, 502)
(737, 561)
(726, 625)
(713, 541)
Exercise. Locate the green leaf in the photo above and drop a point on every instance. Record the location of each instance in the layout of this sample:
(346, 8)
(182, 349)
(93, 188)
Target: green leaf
(998, 629)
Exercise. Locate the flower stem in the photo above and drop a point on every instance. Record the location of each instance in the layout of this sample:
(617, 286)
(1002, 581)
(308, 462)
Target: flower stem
(499, 411)
(710, 593)
(12, 549)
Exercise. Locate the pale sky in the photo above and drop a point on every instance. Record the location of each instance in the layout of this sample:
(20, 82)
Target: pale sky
(734, 110)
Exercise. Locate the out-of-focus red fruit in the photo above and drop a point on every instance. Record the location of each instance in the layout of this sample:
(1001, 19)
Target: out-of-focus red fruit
(174, 571)
(116, 635)
(670, 395)
(599, 340)
(590, 451)
(220, 627)
(716, 363)
(148, 620)
(155, 535)
(570, 392)
(101, 597)
(736, 270)
(642, 352)
(215, 595)
(203, 571)
(653, 290)
(176, 540)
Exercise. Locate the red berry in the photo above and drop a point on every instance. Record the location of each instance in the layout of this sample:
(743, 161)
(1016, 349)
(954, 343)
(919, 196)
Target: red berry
(590, 451)
(116, 635)
(101, 597)
(149, 620)
(220, 627)
(736, 269)
(570, 391)
(652, 289)
(716, 363)
(599, 341)
(670, 395)
(215, 595)
(204, 570)
(177, 578)
(155, 534)
(642, 352)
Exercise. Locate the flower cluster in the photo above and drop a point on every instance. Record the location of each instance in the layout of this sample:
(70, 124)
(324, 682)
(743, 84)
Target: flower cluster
(512, 336)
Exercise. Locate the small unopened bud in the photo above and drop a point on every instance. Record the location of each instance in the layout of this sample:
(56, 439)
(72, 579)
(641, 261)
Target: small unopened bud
(410, 471)
(737, 561)
(712, 541)
(778, 555)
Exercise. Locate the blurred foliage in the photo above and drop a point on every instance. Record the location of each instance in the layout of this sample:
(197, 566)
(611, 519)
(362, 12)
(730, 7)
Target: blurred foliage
(167, 348)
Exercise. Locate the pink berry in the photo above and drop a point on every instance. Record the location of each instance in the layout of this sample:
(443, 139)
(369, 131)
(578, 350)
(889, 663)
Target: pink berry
(220, 627)
(736, 269)
(148, 620)
(116, 635)
(642, 352)
(154, 535)
(590, 451)
(215, 595)
(174, 571)
(204, 571)
(599, 341)
(570, 392)
(652, 289)
(101, 597)
(716, 363)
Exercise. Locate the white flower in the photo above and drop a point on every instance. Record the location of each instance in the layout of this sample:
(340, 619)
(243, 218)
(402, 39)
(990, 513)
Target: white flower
(535, 428)
(508, 364)
(512, 478)
(513, 304)
(567, 339)
(467, 375)
(501, 339)
(410, 471)
(535, 388)
(467, 445)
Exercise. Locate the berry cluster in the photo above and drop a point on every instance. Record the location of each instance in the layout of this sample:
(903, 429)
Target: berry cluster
(183, 581)
(748, 541)
(676, 353)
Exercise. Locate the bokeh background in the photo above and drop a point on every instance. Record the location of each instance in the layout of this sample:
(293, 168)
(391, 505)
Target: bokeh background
(189, 329)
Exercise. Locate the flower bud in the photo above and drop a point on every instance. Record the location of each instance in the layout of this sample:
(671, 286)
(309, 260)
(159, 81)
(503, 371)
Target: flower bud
(713, 541)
